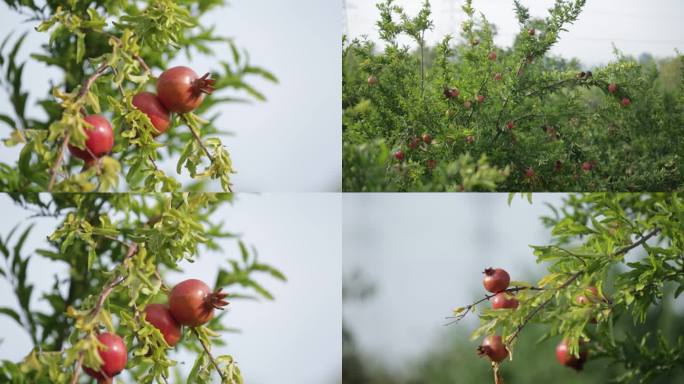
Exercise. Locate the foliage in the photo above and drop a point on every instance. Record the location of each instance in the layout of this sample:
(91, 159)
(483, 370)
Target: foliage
(107, 51)
(117, 248)
(540, 116)
(628, 246)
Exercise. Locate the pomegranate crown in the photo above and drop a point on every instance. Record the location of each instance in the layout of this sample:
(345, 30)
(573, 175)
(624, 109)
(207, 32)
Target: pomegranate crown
(217, 299)
(489, 271)
(204, 84)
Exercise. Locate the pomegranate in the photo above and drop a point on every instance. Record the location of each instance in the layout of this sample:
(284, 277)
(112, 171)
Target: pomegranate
(181, 90)
(192, 302)
(100, 139)
(160, 317)
(427, 139)
(113, 355)
(612, 88)
(493, 347)
(149, 104)
(502, 300)
(399, 155)
(565, 358)
(495, 280)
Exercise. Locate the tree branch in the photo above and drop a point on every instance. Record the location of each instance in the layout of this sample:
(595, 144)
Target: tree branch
(469, 307)
(211, 357)
(574, 277)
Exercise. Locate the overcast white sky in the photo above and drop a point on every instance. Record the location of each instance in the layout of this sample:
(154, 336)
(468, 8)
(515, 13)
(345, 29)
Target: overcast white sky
(635, 26)
(290, 143)
(294, 339)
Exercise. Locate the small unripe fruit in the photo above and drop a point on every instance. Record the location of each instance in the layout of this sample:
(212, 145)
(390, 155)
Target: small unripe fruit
(531, 32)
(475, 42)
(510, 125)
(495, 280)
(626, 102)
(431, 164)
(498, 77)
(451, 93)
(612, 88)
(492, 56)
(99, 139)
(480, 99)
(529, 173)
(591, 296)
(426, 138)
(494, 348)
(470, 139)
(502, 300)
(467, 104)
(564, 356)
(372, 80)
(399, 155)
(586, 166)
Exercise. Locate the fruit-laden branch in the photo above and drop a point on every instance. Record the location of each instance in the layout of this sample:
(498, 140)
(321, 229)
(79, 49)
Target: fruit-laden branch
(211, 357)
(81, 93)
(132, 250)
(574, 277)
(468, 308)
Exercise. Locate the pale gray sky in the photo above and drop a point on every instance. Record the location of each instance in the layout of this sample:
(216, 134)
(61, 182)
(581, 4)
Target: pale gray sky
(294, 339)
(290, 143)
(635, 26)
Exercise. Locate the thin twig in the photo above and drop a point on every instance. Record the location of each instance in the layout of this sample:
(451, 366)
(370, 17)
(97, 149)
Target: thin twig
(469, 307)
(206, 350)
(201, 144)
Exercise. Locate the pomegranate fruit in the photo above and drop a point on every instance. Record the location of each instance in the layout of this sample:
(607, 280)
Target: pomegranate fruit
(372, 80)
(612, 88)
(492, 56)
(431, 164)
(399, 155)
(426, 138)
(113, 355)
(510, 125)
(558, 166)
(451, 93)
(480, 99)
(494, 348)
(495, 280)
(498, 77)
(468, 104)
(569, 360)
(502, 300)
(529, 173)
(470, 139)
(160, 317)
(414, 143)
(100, 139)
(626, 102)
(532, 32)
(181, 90)
(192, 302)
(149, 104)
(591, 296)
(587, 166)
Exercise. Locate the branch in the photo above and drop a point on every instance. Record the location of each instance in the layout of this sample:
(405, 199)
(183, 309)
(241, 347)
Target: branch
(132, 250)
(574, 277)
(469, 307)
(81, 93)
(211, 357)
